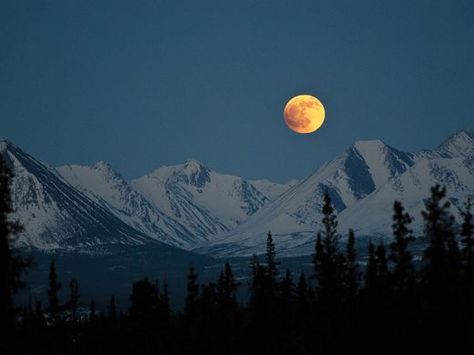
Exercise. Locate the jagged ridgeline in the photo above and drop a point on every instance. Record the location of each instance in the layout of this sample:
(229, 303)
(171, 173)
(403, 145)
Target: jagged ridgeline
(195, 208)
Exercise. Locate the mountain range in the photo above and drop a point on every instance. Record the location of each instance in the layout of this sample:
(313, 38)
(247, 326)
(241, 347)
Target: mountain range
(192, 207)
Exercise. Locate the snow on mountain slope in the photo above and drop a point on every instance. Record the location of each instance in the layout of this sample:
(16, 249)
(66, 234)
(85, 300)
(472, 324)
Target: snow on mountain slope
(205, 202)
(105, 186)
(459, 145)
(272, 189)
(447, 166)
(193, 207)
(357, 182)
(56, 215)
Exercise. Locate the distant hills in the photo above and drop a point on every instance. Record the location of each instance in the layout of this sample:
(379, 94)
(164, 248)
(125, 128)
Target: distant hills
(192, 207)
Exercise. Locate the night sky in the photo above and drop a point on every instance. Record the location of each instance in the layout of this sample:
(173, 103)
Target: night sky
(146, 83)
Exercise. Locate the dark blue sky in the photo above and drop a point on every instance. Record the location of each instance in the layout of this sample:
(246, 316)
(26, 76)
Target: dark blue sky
(146, 83)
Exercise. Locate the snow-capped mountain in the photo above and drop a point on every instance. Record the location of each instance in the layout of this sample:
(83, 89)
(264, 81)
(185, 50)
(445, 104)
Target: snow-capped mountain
(183, 205)
(54, 214)
(206, 202)
(195, 208)
(362, 182)
(81, 206)
(106, 187)
(272, 189)
(459, 145)
(450, 166)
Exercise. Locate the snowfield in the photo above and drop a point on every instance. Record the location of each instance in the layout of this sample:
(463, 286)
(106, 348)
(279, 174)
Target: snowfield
(195, 208)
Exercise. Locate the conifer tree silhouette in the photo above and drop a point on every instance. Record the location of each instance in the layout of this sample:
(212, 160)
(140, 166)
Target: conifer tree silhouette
(53, 297)
(328, 261)
(226, 289)
(371, 271)
(112, 309)
(12, 265)
(92, 311)
(192, 295)
(403, 274)
(440, 254)
(271, 257)
(73, 298)
(329, 266)
(467, 241)
(440, 281)
(395, 306)
(352, 273)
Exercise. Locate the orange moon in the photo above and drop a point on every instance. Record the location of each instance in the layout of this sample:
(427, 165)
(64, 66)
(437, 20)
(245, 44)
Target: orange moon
(304, 114)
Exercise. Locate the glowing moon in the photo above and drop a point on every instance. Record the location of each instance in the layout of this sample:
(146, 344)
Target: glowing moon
(304, 114)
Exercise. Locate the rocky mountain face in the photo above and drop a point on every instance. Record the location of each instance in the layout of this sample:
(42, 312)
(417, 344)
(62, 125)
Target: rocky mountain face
(77, 206)
(206, 202)
(363, 182)
(193, 207)
(102, 184)
(272, 189)
(54, 214)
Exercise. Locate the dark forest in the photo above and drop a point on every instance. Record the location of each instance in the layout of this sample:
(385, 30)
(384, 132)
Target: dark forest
(389, 304)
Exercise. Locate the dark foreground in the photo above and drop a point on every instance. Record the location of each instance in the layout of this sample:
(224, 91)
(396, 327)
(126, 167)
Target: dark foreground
(386, 304)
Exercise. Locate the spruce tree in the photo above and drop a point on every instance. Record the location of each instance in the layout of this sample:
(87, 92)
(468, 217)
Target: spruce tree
(301, 291)
(190, 306)
(376, 275)
(12, 265)
(330, 235)
(165, 298)
(329, 265)
(453, 256)
(74, 298)
(112, 309)
(371, 270)
(403, 274)
(284, 321)
(53, 297)
(440, 272)
(286, 295)
(328, 261)
(319, 255)
(227, 288)
(352, 274)
(257, 286)
(260, 306)
(271, 271)
(144, 301)
(302, 298)
(38, 307)
(92, 311)
(467, 240)
(165, 306)
(271, 258)
(438, 230)
(383, 277)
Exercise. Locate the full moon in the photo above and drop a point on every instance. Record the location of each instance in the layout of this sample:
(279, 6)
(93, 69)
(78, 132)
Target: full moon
(304, 114)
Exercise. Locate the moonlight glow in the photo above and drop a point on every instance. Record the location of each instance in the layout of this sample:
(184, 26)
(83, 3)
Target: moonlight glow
(304, 114)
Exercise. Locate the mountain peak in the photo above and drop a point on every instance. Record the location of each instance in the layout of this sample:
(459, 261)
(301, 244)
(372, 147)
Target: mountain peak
(460, 144)
(5, 144)
(102, 165)
(373, 162)
(107, 170)
(193, 164)
(194, 173)
(366, 145)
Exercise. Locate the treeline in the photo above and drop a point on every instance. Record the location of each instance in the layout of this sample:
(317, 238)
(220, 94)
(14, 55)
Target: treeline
(385, 303)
